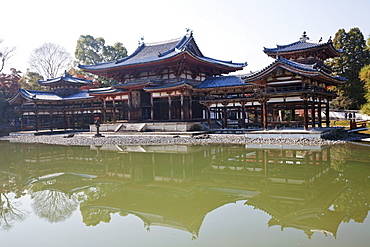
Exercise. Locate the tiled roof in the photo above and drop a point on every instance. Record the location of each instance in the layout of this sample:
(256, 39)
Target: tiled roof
(148, 53)
(310, 69)
(66, 78)
(105, 90)
(45, 95)
(221, 81)
(298, 46)
(133, 83)
(169, 85)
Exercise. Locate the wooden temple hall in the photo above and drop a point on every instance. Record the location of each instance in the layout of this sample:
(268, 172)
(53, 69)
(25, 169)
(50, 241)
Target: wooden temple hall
(172, 81)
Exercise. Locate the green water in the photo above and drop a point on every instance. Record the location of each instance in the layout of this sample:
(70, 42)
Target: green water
(217, 195)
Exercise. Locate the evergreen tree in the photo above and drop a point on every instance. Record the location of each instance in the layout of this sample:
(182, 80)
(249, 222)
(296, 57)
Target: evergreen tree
(30, 81)
(354, 57)
(90, 50)
(365, 78)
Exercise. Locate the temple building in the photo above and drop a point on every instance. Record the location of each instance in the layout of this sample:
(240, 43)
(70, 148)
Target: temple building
(65, 106)
(293, 90)
(172, 81)
(158, 80)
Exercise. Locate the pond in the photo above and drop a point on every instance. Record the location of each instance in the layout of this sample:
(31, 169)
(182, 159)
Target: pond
(211, 195)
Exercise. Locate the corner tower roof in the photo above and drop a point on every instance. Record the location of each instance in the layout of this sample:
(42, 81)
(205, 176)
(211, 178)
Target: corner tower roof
(325, 49)
(66, 78)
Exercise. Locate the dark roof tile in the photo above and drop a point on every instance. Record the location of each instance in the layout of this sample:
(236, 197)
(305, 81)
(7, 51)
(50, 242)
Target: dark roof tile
(148, 53)
(297, 46)
(66, 78)
(221, 81)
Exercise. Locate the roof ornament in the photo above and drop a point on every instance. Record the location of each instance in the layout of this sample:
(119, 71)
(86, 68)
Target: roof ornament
(320, 39)
(304, 37)
(189, 32)
(141, 41)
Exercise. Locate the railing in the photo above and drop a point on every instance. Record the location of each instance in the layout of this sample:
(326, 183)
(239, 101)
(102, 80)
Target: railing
(271, 90)
(73, 107)
(357, 124)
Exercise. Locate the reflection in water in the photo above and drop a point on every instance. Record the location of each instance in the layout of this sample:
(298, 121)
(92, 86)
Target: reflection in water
(9, 213)
(307, 188)
(10, 190)
(54, 206)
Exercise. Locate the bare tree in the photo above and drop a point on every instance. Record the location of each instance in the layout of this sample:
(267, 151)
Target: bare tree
(50, 60)
(54, 206)
(5, 54)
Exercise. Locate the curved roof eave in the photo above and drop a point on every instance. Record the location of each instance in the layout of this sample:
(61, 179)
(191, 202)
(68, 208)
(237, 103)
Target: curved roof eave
(66, 78)
(284, 49)
(215, 88)
(107, 91)
(177, 54)
(293, 67)
(34, 95)
(181, 84)
(15, 97)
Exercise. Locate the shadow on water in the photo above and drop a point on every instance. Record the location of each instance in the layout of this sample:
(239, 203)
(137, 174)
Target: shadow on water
(313, 189)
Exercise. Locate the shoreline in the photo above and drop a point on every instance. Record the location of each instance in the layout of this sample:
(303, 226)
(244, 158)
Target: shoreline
(132, 139)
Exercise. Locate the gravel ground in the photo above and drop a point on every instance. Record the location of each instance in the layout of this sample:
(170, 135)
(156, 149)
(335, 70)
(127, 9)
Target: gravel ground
(85, 140)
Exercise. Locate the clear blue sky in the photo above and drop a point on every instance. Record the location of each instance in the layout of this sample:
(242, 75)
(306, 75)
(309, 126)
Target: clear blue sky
(234, 30)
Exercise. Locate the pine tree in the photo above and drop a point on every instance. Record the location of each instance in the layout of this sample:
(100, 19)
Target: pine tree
(354, 57)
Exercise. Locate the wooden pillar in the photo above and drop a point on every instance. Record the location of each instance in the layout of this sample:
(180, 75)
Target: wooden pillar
(208, 105)
(243, 115)
(319, 113)
(191, 107)
(305, 111)
(37, 120)
(104, 110)
(82, 119)
(68, 122)
(114, 109)
(51, 120)
(23, 125)
(217, 114)
(182, 106)
(92, 116)
(129, 103)
(274, 114)
(264, 114)
(64, 120)
(313, 113)
(151, 107)
(169, 108)
(263, 101)
(327, 118)
(224, 115)
(73, 120)
(293, 114)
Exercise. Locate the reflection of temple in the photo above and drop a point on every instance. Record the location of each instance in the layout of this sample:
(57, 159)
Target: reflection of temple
(297, 187)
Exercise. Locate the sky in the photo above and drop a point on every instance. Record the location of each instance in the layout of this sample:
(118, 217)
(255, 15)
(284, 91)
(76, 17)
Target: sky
(231, 30)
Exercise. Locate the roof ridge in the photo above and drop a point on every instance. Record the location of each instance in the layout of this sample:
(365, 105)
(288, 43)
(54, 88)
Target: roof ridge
(291, 44)
(164, 42)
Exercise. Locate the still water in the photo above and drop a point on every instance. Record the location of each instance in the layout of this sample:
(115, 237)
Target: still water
(215, 195)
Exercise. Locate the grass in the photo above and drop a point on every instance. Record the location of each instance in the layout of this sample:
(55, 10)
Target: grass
(339, 123)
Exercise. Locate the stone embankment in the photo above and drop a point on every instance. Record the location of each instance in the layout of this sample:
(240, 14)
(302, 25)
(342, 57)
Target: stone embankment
(85, 140)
